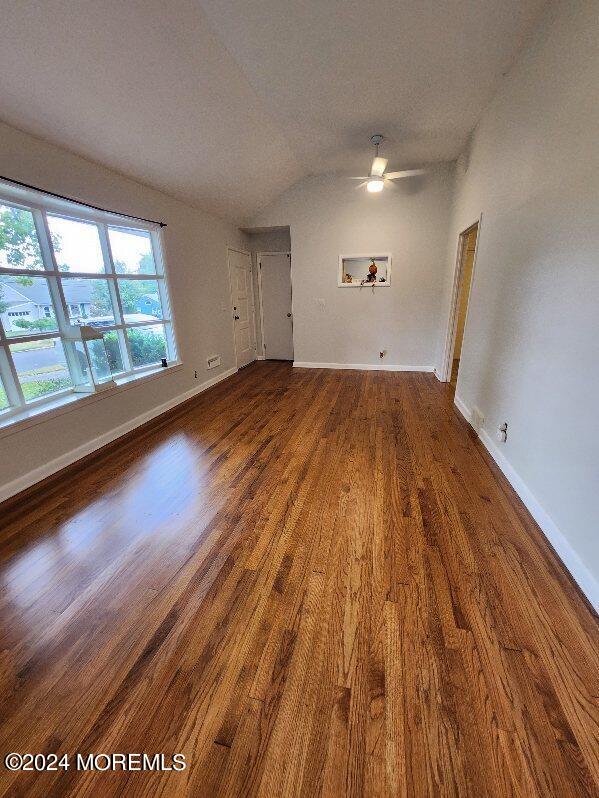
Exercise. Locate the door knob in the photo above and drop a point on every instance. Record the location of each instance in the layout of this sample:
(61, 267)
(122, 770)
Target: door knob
(236, 318)
(289, 315)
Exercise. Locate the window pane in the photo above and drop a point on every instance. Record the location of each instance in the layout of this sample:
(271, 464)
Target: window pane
(76, 245)
(41, 367)
(140, 300)
(113, 352)
(131, 251)
(19, 247)
(100, 361)
(88, 301)
(148, 345)
(3, 397)
(26, 305)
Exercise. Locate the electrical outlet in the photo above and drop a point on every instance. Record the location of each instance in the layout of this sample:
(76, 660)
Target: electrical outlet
(382, 353)
(213, 362)
(502, 432)
(195, 374)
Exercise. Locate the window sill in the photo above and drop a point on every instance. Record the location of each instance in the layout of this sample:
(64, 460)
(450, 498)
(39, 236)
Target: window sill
(72, 401)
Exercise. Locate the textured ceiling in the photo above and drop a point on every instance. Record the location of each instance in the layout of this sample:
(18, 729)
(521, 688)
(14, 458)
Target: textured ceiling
(225, 103)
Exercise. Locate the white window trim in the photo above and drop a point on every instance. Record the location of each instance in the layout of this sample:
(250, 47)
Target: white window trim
(22, 413)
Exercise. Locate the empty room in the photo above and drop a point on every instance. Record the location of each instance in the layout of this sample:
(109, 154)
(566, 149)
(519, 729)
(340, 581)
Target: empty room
(299, 377)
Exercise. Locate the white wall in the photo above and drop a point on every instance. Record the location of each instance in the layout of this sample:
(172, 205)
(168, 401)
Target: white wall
(195, 250)
(328, 216)
(531, 347)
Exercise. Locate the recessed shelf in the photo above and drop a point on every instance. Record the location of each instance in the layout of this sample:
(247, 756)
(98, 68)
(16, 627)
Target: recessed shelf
(364, 271)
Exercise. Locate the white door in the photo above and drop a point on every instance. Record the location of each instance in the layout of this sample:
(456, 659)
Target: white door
(242, 300)
(275, 291)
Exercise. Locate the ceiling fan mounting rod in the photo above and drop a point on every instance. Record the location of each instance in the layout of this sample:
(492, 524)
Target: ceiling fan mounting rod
(377, 140)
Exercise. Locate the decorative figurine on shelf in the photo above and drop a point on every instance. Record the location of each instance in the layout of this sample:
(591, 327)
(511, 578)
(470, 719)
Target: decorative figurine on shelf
(371, 276)
(347, 278)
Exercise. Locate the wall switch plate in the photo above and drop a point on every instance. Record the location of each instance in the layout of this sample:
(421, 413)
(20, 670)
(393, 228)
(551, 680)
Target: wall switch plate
(213, 362)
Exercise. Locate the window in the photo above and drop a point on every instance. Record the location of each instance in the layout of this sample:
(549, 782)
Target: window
(62, 266)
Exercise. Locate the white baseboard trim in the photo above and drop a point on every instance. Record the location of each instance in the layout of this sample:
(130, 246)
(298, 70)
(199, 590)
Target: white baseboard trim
(259, 357)
(29, 479)
(569, 557)
(359, 366)
(464, 410)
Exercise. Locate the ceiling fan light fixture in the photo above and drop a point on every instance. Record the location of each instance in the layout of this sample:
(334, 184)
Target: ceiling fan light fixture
(375, 184)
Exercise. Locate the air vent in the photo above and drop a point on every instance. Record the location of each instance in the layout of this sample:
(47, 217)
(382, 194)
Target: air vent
(213, 362)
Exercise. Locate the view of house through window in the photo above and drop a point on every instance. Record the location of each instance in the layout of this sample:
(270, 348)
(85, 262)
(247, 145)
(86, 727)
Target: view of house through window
(60, 271)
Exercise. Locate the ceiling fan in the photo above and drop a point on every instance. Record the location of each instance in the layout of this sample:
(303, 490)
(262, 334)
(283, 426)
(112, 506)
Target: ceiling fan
(377, 178)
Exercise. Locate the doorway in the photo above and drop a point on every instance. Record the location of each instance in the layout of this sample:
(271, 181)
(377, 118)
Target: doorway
(274, 286)
(461, 297)
(242, 302)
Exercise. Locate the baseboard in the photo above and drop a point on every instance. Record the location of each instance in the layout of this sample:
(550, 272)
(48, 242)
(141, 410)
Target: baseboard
(359, 366)
(45, 471)
(259, 357)
(463, 408)
(569, 557)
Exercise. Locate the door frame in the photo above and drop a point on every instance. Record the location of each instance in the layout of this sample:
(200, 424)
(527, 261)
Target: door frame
(455, 297)
(259, 256)
(253, 321)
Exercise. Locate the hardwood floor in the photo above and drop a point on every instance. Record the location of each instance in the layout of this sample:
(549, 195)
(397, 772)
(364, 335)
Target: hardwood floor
(309, 583)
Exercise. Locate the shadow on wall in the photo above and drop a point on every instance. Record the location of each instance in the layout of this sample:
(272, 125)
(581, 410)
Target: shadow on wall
(407, 185)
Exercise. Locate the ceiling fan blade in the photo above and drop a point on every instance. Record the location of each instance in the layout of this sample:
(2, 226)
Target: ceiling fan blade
(362, 184)
(405, 173)
(362, 177)
(378, 166)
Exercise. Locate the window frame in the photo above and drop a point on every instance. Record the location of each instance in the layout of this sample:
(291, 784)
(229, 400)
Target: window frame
(40, 205)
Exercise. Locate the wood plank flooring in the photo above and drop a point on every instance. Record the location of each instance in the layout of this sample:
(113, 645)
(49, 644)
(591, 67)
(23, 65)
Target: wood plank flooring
(310, 583)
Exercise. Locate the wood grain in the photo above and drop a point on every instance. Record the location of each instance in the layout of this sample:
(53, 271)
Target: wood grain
(309, 582)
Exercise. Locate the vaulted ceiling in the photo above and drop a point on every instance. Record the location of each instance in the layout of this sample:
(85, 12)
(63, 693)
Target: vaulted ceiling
(225, 103)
